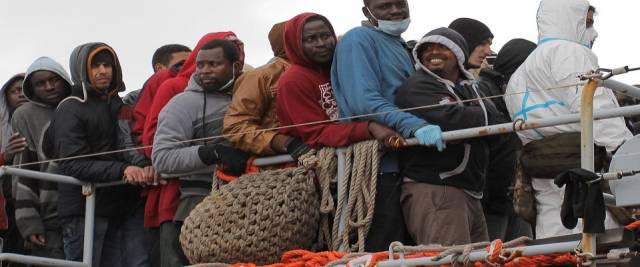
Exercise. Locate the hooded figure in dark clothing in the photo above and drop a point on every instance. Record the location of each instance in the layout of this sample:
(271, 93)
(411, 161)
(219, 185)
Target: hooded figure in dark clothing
(86, 123)
(510, 57)
(11, 145)
(11, 98)
(502, 222)
(45, 85)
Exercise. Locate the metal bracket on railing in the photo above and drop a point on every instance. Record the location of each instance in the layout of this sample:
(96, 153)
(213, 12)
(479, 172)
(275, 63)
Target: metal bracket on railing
(88, 189)
(596, 75)
(604, 74)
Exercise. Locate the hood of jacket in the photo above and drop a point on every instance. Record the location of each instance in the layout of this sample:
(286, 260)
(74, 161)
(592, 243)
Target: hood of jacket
(4, 106)
(80, 64)
(512, 55)
(5, 121)
(193, 85)
(48, 64)
(293, 39)
(189, 66)
(564, 20)
(276, 40)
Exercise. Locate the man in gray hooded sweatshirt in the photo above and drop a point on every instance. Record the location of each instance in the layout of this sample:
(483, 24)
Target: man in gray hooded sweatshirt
(46, 83)
(187, 126)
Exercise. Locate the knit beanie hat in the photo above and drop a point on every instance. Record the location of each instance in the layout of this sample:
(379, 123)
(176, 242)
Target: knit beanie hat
(512, 55)
(103, 56)
(473, 31)
(447, 37)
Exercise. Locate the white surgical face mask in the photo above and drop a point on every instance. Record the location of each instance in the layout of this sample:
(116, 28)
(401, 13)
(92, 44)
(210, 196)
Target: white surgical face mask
(590, 36)
(395, 28)
(233, 78)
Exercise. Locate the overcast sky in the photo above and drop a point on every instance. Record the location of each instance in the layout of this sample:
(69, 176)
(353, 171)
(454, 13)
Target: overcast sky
(135, 28)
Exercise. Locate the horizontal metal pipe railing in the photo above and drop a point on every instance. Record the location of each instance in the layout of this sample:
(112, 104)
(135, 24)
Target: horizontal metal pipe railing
(495, 129)
(88, 222)
(40, 261)
(265, 161)
(621, 87)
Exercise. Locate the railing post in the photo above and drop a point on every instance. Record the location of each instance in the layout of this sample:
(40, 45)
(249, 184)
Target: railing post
(88, 191)
(341, 170)
(586, 157)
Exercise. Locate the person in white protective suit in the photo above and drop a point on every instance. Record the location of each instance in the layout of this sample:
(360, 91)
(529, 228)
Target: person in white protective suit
(563, 53)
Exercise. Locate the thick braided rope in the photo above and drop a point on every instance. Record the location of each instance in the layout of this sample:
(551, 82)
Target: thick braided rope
(256, 218)
(326, 171)
(338, 238)
(361, 170)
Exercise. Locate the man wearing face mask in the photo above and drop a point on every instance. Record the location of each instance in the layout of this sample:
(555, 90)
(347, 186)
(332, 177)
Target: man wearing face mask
(563, 53)
(591, 33)
(369, 64)
(196, 114)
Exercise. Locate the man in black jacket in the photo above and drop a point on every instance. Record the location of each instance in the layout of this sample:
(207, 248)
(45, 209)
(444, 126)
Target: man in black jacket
(502, 222)
(86, 123)
(442, 190)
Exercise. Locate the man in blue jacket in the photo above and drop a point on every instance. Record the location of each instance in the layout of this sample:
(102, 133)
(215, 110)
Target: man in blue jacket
(369, 65)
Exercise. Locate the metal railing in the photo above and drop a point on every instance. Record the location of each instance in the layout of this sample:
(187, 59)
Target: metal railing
(88, 189)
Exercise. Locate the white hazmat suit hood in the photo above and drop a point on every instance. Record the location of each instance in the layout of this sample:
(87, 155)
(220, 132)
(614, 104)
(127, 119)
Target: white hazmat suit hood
(561, 56)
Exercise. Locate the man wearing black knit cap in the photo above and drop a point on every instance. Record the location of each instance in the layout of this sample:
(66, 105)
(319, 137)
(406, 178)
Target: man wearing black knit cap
(502, 222)
(442, 190)
(479, 39)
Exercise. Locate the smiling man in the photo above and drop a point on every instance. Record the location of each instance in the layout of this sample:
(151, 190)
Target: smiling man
(369, 65)
(45, 85)
(442, 190)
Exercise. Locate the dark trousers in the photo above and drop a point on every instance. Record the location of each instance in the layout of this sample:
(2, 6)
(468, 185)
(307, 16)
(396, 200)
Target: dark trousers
(171, 254)
(117, 241)
(388, 222)
(53, 247)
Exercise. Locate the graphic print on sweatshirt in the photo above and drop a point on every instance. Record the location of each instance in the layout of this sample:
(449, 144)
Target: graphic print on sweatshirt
(328, 101)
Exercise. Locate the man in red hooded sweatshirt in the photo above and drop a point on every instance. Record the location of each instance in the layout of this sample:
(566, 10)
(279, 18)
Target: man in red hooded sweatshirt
(162, 201)
(304, 90)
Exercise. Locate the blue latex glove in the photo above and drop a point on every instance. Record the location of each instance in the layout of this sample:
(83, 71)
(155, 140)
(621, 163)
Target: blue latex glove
(431, 135)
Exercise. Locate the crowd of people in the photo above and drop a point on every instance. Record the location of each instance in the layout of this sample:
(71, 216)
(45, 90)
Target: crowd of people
(204, 113)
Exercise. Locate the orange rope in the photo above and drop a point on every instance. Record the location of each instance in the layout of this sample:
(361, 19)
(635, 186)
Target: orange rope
(494, 251)
(304, 258)
(633, 226)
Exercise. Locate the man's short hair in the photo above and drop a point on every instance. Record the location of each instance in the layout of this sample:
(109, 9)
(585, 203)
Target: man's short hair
(229, 49)
(592, 9)
(163, 54)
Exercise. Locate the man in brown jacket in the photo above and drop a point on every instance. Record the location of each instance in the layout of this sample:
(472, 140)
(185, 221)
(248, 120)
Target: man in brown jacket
(253, 107)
